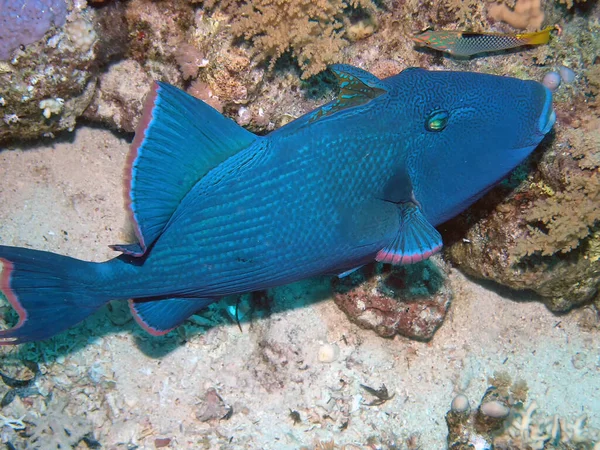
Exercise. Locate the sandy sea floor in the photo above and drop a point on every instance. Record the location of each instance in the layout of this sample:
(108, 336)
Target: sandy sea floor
(127, 388)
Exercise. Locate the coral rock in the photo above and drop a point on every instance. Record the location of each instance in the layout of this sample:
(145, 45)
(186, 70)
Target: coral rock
(408, 300)
(26, 23)
(544, 236)
(120, 96)
(56, 73)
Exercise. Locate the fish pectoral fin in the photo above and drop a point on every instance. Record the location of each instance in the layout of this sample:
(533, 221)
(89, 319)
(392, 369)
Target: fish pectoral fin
(158, 317)
(357, 87)
(415, 241)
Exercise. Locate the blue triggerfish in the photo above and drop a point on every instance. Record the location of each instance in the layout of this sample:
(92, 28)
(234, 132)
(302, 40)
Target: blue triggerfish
(218, 210)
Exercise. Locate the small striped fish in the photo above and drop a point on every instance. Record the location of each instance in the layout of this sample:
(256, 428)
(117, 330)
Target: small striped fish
(465, 43)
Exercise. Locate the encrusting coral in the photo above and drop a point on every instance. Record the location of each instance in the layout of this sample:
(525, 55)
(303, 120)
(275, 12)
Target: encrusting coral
(411, 300)
(45, 84)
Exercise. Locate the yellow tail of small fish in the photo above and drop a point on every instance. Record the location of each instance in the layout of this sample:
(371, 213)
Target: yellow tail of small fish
(537, 37)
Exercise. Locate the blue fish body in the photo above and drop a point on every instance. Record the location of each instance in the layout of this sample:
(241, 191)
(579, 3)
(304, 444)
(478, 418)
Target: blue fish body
(220, 211)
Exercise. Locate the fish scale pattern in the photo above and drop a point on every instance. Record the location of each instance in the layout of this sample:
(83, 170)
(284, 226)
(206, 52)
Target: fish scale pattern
(24, 22)
(477, 43)
(247, 228)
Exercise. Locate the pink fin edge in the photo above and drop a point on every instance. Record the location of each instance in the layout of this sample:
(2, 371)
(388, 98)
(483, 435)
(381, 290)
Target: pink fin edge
(147, 328)
(7, 268)
(140, 136)
(396, 258)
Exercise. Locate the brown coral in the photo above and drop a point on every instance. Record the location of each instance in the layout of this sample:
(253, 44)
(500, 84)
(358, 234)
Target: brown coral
(545, 236)
(313, 31)
(189, 59)
(551, 225)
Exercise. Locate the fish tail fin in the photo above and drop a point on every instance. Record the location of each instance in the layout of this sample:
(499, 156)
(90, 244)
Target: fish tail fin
(49, 292)
(537, 37)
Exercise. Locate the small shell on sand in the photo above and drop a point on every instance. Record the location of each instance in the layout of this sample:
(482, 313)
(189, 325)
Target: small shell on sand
(495, 409)
(460, 403)
(328, 353)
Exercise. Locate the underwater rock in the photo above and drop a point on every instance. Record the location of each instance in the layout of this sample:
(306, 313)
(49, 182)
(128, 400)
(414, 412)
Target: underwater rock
(408, 300)
(178, 43)
(24, 24)
(544, 235)
(48, 83)
(119, 99)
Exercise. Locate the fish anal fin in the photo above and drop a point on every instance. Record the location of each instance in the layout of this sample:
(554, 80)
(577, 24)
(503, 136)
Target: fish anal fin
(158, 317)
(178, 140)
(415, 241)
(357, 87)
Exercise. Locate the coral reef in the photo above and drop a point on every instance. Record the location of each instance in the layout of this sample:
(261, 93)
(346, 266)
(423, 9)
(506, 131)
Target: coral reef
(523, 430)
(502, 421)
(46, 84)
(174, 43)
(544, 237)
(570, 3)
(538, 231)
(411, 301)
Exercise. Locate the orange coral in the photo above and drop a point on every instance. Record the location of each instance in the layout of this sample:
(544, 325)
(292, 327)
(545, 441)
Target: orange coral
(527, 14)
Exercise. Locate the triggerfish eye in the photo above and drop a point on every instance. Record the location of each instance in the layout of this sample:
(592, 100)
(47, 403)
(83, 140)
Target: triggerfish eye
(437, 120)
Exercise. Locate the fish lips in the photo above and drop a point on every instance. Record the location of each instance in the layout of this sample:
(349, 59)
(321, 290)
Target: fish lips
(545, 121)
(548, 116)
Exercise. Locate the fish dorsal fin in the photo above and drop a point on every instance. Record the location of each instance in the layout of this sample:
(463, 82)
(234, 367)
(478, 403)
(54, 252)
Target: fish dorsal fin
(357, 87)
(179, 139)
(415, 241)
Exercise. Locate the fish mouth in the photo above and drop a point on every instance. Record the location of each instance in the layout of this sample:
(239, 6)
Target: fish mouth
(548, 116)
